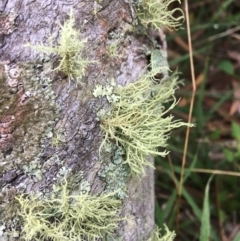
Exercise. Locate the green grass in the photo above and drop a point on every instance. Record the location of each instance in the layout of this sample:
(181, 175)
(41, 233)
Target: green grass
(215, 129)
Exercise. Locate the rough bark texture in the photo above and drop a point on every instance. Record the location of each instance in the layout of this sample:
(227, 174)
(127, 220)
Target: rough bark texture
(36, 105)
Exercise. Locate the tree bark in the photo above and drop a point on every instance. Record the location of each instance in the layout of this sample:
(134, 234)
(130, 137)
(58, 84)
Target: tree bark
(39, 107)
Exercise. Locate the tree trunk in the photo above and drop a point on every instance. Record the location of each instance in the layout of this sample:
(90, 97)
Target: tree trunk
(48, 125)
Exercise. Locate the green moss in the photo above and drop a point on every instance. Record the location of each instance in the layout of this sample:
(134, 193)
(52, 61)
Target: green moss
(70, 50)
(137, 119)
(155, 14)
(69, 217)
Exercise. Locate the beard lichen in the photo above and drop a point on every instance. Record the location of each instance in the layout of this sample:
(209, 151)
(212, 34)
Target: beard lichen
(69, 216)
(137, 119)
(70, 50)
(156, 235)
(155, 14)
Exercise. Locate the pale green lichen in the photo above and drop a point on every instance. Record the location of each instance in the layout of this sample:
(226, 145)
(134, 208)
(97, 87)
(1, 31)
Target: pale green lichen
(112, 49)
(96, 7)
(70, 50)
(58, 137)
(115, 42)
(138, 120)
(156, 14)
(115, 173)
(69, 216)
(107, 91)
(157, 236)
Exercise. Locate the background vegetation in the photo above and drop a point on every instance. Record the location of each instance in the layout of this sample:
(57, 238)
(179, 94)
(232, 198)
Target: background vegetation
(214, 144)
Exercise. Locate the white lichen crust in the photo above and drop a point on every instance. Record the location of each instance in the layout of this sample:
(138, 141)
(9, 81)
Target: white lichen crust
(27, 103)
(114, 171)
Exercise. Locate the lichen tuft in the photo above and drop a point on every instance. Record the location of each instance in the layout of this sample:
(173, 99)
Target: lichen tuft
(137, 120)
(155, 14)
(156, 235)
(70, 50)
(68, 216)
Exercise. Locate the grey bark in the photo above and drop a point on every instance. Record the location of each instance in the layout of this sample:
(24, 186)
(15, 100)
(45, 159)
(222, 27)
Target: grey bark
(29, 116)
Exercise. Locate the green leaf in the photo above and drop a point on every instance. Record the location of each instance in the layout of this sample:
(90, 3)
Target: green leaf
(216, 134)
(192, 203)
(229, 155)
(226, 66)
(235, 131)
(237, 237)
(205, 219)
